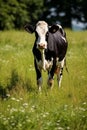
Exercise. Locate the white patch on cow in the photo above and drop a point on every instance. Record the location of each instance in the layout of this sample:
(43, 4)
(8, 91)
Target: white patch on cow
(60, 64)
(57, 62)
(59, 26)
(43, 63)
(41, 29)
(63, 38)
(39, 64)
(49, 64)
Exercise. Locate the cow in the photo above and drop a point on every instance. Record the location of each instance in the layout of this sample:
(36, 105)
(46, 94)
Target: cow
(49, 51)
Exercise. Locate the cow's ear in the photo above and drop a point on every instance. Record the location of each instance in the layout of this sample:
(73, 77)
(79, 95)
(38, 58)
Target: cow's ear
(53, 28)
(29, 28)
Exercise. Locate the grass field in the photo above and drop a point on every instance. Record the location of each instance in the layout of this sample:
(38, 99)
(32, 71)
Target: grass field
(21, 106)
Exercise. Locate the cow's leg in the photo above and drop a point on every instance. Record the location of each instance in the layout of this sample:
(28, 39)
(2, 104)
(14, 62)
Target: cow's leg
(60, 72)
(38, 76)
(50, 80)
(51, 75)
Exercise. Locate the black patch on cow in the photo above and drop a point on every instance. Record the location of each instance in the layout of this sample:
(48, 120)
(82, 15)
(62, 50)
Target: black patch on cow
(36, 52)
(37, 70)
(56, 46)
(53, 28)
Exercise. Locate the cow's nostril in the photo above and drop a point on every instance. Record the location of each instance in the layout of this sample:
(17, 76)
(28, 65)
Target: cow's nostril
(41, 46)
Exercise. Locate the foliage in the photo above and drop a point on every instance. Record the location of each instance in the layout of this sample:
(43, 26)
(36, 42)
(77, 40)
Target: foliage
(21, 106)
(64, 11)
(15, 13)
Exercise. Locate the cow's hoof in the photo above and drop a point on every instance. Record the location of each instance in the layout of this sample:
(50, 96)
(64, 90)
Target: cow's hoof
(50, 83)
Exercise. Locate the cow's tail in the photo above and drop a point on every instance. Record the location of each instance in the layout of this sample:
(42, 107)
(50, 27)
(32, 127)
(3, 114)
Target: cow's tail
(66, 66)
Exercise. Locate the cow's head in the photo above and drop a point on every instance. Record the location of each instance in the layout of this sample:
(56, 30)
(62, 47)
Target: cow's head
(41, 32)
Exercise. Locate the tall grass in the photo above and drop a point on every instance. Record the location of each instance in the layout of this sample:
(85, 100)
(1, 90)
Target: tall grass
(21, 106)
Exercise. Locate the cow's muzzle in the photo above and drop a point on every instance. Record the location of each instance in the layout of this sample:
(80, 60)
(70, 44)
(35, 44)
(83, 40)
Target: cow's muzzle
(41, 46)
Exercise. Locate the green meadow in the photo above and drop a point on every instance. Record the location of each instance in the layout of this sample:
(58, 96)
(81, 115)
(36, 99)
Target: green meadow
(22, 107)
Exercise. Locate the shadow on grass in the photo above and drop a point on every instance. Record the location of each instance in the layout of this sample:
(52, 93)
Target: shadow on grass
(3, 93)
(16, 82)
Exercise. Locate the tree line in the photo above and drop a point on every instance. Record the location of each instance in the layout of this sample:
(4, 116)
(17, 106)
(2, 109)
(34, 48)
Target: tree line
(15, 13)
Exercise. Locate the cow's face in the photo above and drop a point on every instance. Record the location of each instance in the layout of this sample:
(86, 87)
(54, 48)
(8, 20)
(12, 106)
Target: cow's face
(41, 32)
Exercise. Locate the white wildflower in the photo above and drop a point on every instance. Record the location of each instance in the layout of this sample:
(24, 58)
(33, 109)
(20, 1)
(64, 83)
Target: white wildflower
(17, 100)
(21, 99)
(9, 106)
(49, 123)
(68, 128)
(84, 103)
(82, 109)
(60, 128)
(44, 115)
(22, 110)
(8, 95)
(25, 105)
(13, 124)
(13, 110)
(13, 98)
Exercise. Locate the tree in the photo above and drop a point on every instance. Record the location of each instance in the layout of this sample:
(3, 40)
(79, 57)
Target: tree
(15, 13)
(11, 14)
(35, 10)
(63, 11)
(84, 10)
(58, 11)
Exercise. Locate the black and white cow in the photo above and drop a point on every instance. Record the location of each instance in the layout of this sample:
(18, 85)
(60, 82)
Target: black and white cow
(49, 51)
